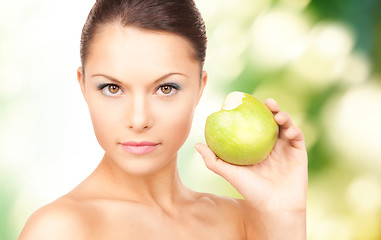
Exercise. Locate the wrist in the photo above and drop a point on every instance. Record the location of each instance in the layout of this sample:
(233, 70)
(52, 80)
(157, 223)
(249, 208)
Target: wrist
(280, 224)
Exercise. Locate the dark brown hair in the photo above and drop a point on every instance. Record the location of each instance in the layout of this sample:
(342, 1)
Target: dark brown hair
(180, 17)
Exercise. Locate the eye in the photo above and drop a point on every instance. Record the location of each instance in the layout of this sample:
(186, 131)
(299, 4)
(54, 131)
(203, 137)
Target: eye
(109, 89)
(113, 89)
(168, 88)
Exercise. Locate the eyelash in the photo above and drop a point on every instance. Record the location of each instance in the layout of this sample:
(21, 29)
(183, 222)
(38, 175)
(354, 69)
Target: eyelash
(174, 86)
(101, 88)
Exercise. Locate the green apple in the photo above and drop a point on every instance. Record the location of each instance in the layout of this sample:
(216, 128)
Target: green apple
(244, 132)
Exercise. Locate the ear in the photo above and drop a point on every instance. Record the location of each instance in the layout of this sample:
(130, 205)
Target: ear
(81, 81)
(204, 80)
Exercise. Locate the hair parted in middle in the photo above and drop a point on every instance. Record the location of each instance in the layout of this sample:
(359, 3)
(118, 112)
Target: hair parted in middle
(180, 17)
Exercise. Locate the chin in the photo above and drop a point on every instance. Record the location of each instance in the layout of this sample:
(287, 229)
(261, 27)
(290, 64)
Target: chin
(143, 165)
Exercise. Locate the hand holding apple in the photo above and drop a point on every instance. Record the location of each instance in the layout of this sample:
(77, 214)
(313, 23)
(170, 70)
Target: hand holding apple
(277, 182)
(274, 189)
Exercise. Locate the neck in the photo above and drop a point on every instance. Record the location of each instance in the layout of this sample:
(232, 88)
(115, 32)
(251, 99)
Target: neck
(162, 187)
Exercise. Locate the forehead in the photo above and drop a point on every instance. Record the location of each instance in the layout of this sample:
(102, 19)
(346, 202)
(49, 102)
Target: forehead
(116, 48)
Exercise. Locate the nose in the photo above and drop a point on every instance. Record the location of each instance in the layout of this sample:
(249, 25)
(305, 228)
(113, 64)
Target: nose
(139, 114)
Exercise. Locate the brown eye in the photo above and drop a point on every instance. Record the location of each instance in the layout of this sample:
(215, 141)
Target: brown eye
(113, 89)
(166, 89)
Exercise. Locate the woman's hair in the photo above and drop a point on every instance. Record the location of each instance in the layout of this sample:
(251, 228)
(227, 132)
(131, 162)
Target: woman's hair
(180, 17)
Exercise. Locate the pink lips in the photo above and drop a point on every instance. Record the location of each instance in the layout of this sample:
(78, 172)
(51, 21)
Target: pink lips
(139, 147)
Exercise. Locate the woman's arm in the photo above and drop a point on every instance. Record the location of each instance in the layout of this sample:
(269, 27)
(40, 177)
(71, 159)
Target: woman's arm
(274, 189)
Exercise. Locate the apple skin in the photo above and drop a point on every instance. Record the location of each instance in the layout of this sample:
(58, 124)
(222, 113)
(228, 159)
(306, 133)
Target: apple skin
(244, 135)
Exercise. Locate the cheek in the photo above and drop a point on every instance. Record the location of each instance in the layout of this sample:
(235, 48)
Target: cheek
(104, 120)
(177, 121)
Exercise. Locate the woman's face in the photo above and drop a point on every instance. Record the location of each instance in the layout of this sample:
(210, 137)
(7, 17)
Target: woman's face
(141, 88)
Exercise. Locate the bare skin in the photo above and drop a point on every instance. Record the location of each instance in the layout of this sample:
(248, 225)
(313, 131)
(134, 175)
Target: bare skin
(89, 213)
(133, 196)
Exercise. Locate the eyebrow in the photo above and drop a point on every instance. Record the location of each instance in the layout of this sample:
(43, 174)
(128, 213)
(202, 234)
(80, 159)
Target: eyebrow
(156, 81)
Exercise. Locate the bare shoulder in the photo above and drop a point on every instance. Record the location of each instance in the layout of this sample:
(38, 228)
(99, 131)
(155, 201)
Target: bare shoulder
(220, 200)
(224, 213)
(223, 205)
(64, 218)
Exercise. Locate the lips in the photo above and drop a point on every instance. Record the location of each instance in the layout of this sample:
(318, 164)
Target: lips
(139, 148)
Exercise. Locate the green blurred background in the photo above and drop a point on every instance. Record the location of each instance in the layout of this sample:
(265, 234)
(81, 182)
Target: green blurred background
(318, 58)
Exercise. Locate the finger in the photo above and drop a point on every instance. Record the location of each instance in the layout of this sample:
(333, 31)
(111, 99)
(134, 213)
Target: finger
(272, 105)
(283, 119)
(295, 135)
(213, 162)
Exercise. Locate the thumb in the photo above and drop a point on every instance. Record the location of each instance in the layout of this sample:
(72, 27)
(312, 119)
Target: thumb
(214, 163)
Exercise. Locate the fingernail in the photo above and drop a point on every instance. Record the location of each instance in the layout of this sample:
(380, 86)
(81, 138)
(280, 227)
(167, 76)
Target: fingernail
(197, 147)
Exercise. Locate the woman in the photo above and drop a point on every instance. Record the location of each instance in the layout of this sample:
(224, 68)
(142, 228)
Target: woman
(142, 77)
